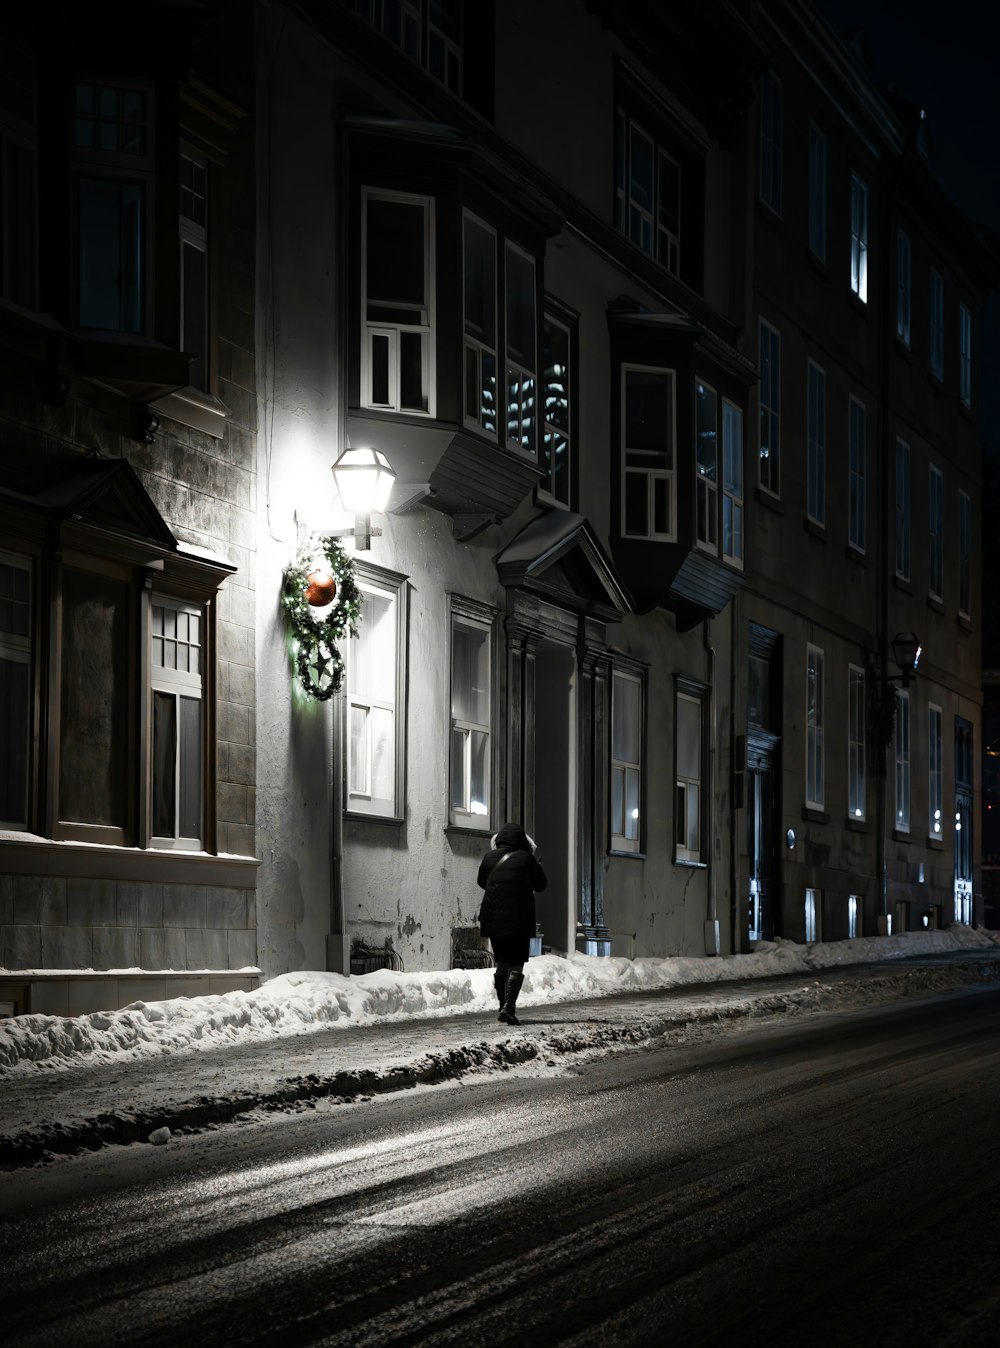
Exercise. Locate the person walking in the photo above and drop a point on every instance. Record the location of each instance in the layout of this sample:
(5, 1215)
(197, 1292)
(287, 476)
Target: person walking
(510, 874)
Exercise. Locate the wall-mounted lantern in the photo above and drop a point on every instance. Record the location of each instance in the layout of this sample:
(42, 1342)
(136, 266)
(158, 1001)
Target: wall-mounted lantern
(364, 479)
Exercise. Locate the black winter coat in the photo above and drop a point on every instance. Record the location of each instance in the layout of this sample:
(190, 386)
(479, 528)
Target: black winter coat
(510, 875)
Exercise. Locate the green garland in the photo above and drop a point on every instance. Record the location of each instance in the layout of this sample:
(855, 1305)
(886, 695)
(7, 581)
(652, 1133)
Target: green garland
(318, 659)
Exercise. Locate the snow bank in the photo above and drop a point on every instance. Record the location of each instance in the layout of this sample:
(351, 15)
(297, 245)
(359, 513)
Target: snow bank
(299, 1003)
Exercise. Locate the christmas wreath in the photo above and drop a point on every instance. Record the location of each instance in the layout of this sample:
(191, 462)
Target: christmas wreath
(322, 605)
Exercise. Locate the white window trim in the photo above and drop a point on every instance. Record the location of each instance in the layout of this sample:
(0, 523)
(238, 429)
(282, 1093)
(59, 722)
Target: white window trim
(469, 613)
(814, 735)
(652, 475)
(394, 587)
(813, 915)
(371, 328)
(855, 911)
(619, 842)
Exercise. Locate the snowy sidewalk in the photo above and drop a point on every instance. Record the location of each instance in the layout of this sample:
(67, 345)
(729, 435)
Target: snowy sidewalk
(67, 1085)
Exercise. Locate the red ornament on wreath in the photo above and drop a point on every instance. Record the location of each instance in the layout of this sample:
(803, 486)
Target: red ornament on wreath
(320, 590)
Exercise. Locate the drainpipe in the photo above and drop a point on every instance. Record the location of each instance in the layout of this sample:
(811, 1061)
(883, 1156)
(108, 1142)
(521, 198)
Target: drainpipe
(712, 946)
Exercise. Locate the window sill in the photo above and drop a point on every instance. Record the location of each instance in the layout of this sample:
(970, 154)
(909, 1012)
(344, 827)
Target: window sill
(901, 583)
(936, 382)
(769, 499)
(816, 529)
(819, 266)
(465, 831)
(965, 410)
(359, 816)
(856, 825)
(28, 854)
(691, 865)
(964, 622)
(854, 554)
(812, 814)
(936, 844)
(935, 604)
(902, 835)
(859, 305)
(633, 856)
(903, 349)
(191, 407)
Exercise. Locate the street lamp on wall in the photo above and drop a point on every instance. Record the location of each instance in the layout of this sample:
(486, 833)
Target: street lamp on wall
(364, 479)
(906, 655)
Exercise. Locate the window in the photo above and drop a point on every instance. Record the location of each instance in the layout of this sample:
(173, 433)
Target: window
(648, 432)
(903, 761)
(194, 264)
(859, 238)
(813, 909)
(178, 725)
(648, 194)
(855, 907)
(397, 302)
(375, 705)
(858, 477)
(816, 432)
(480, 290)
(18, 175)
(15, 688)
(770, 408)
(707, 464)
(471, 715)
(429, 32)
(856, 742)
(902, 510)
(814, 727)
(688, 744)
(817, 192)
(937, 324)
(626, 761)
(557, 427)
(770, 141)
(964, 554)
(732, 482)
(965, 355)
(903, 293)
(935, 773)
(935, 510)
(113, 157)
(519, 291)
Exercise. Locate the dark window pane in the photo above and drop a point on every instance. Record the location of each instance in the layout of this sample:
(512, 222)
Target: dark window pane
(636, 508)
(191, 757)
(112, 223)
(395, 252)
(480, 283)
(93, 766)
(647, 411)
(13, 742)
(520, 308)
(194, 269)
(380, 370)
(413, 394)
(164, 764)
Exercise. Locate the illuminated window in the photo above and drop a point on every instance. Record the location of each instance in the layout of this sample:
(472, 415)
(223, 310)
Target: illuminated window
(194, 264)
(903, 761)
(471, 715)
(855, 907)
(375, 705)
(397, 302)
(626, 761)
(521, 344)
(813, 915)
(859, 238)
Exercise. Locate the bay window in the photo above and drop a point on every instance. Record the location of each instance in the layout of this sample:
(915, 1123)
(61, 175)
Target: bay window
(707, 465)
(557, 425)
(397, 302)
(521, 342)
(648, 432)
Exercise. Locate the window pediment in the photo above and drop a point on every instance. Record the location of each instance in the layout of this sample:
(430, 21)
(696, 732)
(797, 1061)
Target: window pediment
(558, 556)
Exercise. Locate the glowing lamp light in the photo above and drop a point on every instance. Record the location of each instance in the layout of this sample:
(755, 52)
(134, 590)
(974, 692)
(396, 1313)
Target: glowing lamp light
(364, 479)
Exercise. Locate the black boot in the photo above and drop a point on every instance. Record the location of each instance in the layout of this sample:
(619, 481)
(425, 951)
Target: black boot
(514, 981)
(500, 983)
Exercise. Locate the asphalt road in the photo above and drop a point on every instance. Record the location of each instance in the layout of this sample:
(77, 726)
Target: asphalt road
(828, 1182)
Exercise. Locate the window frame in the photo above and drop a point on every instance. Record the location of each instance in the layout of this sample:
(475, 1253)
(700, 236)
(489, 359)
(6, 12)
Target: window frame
(935, 772)
(816, 443)
(527, 405)
(193, 235)
(936, 350)
(817, 192)
(903, 516)
(857, 513)
(856, 746)
(815, 725)
(179, 684)
(394, 586)
(964, 354)
(901, 738)
(420, 12)
(554, 317)
(694, 694)
(472, 615)
(859, 237)
(620, 842)
(904, 287)
(732, 486)
(634, 220)
(812, 915)
(965, 525)
(706, 486)
(392, 332)
(652, 474)
(935, 533)
(772, 412)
